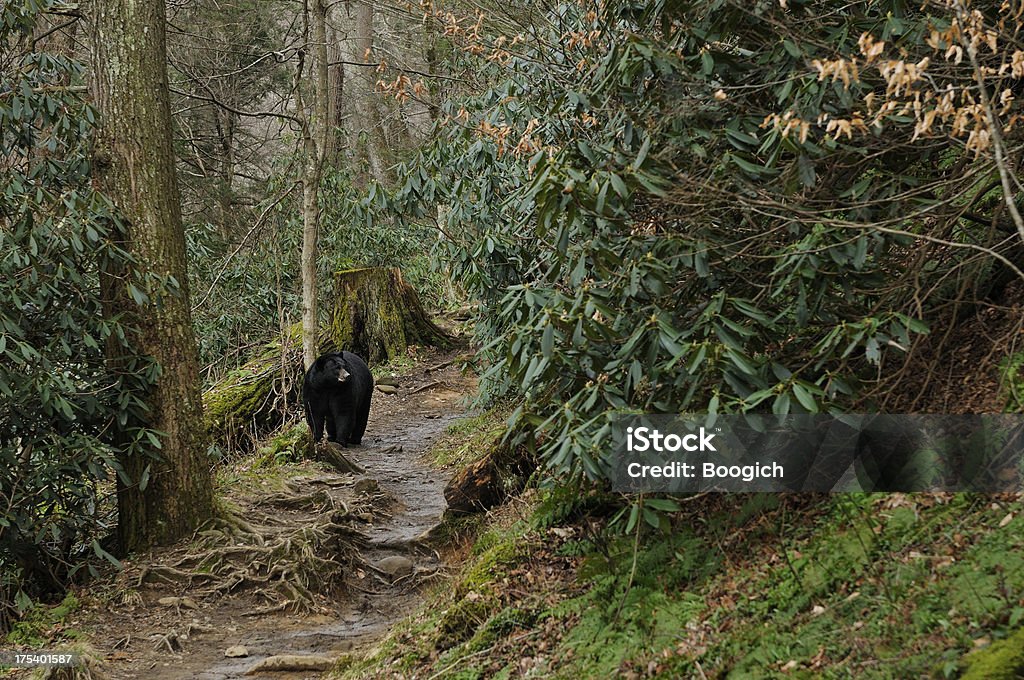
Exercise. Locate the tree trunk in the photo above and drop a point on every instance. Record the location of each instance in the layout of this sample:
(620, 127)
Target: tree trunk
(134, 165)
(310, 238)
(378, 315)
(419, 116)
(314, 140)
(367, 153)
(335, 91)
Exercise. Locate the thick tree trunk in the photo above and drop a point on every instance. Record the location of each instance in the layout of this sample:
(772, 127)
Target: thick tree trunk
(134, 166)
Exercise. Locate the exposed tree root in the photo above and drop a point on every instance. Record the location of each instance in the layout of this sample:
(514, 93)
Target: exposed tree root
(318, 500)
(333, 455)
(286, 565)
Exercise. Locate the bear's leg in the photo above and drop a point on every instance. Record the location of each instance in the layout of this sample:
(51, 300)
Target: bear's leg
(361, 416)
(315, 421)
(341, 416)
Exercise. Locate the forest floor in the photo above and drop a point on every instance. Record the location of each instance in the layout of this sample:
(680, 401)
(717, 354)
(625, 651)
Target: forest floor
(310, 563)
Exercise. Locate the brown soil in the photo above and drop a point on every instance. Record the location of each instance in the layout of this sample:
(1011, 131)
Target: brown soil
(138, 637)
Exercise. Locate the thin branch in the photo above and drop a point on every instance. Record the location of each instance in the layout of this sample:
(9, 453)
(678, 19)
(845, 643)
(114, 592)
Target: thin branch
(436, 76)
(259, 223)
(251, 114)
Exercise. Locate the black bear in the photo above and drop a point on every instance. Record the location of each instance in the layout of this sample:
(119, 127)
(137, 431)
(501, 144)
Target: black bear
(336, 393)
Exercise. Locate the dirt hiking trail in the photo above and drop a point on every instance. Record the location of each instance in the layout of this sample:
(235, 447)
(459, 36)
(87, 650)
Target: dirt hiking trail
(317, 565)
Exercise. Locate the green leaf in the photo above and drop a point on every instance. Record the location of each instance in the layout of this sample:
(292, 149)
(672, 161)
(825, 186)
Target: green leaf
(740, 361)
(547, 342)
(618, 185)
(872, 351)
(663, 504)
(707, 62)
(634, 517)
(641, 155)
(746, 166)
(791, 48)
(805, 398)
(781, 404)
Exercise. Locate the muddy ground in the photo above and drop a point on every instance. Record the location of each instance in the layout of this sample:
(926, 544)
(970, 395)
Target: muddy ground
(174, 613)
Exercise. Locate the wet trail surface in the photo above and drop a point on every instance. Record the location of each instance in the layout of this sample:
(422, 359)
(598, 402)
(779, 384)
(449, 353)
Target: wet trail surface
(139, 637)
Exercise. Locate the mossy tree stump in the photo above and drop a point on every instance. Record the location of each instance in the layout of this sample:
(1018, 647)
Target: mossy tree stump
(377, 315)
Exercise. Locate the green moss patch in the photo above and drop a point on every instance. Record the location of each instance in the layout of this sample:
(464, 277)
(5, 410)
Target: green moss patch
(1002, 660)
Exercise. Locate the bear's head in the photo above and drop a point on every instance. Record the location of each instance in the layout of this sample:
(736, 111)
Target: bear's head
(337, 369)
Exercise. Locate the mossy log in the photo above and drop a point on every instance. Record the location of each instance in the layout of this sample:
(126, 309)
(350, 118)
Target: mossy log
(490, 480)
(254, 400)
(377, 315)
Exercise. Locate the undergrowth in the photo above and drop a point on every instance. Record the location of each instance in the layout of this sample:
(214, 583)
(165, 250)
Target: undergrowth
(742, 586)
(465, 440)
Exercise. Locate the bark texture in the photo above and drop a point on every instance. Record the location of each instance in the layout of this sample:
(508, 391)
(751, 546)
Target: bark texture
(377, 315)
(134, 166)
(314, 143)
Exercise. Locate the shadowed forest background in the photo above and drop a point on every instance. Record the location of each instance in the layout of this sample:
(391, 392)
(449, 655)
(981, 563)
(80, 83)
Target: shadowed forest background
(567, 211)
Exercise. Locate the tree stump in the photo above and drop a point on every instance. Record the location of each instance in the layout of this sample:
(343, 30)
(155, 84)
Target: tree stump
(475, 489)
(489, 481)
(377, 315)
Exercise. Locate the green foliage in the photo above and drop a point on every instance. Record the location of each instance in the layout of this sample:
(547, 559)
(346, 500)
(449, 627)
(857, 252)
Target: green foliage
(873, 586)
(358, 234)
(65, 413)
(1013, 382)
(467, 438)
(245, 293)
(238, 298)
(34, 630)
(641, 237)
(1003, 660)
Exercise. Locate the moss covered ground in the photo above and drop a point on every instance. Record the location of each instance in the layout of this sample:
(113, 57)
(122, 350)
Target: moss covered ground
(755, 586)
